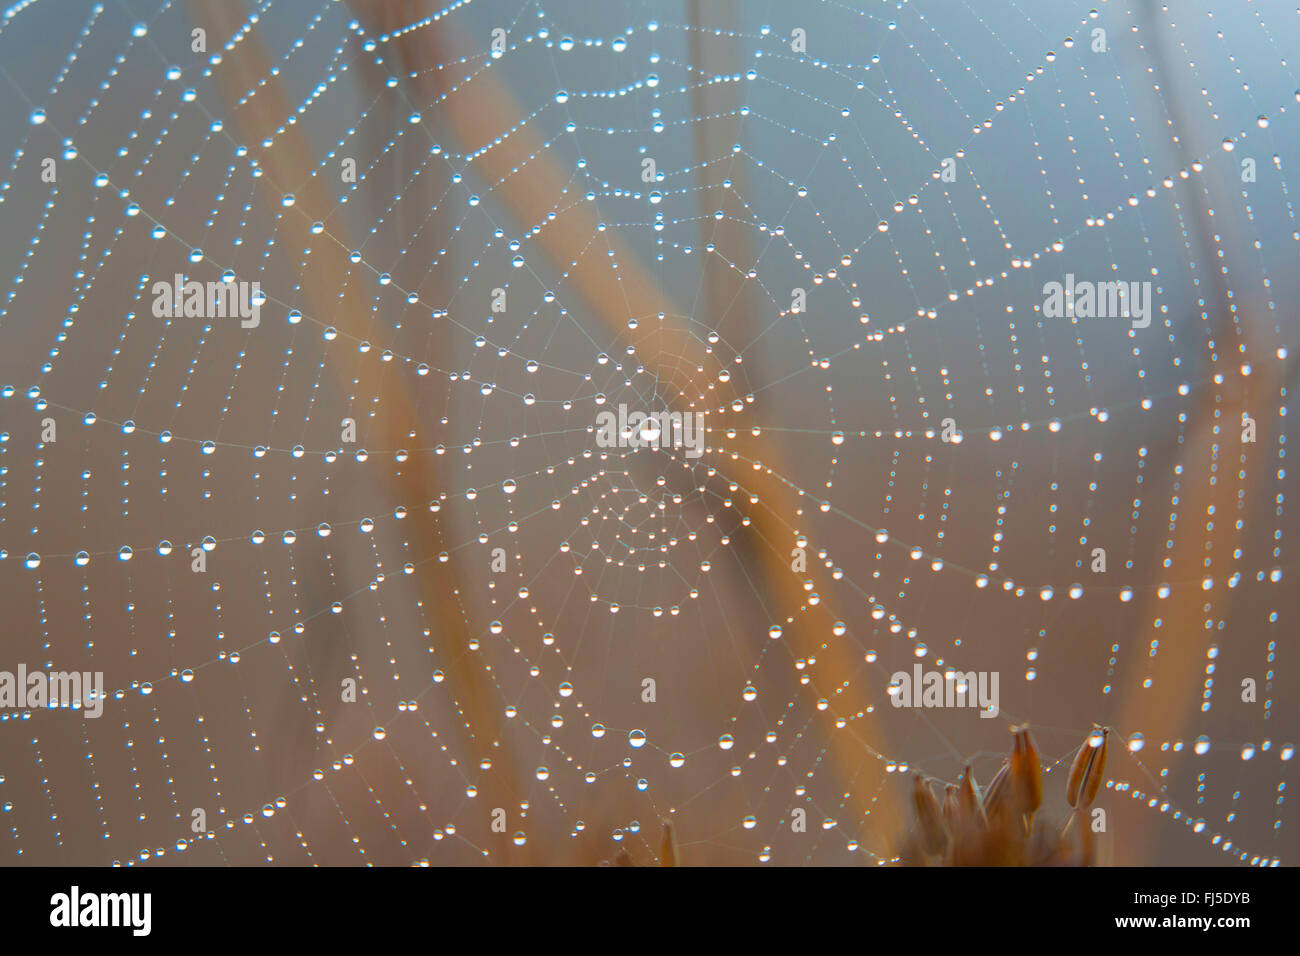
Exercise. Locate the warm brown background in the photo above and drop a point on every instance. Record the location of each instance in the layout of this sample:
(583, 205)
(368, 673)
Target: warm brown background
(1087, 132)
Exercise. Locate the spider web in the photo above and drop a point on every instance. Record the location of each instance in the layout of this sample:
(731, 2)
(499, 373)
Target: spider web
(827, 228)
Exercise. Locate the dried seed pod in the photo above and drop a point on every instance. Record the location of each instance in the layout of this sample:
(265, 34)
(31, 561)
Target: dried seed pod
(1092, 783)
(668, 856)
(952, 812)
(995, 795)
(1087, 770)
(934, 836)
(968, 797)
(1026, 773)
(1078, 770)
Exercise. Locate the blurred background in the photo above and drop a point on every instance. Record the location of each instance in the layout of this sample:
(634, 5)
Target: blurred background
(826, 226)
